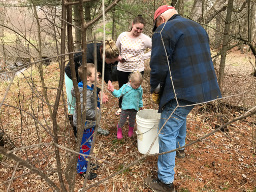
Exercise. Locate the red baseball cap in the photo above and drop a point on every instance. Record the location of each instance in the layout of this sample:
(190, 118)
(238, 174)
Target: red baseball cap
(159, 11)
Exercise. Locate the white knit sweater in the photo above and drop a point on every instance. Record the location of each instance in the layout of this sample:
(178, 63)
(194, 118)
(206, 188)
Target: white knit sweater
(133, 51)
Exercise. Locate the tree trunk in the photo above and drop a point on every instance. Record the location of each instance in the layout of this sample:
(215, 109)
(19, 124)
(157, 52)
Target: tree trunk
(2, 18)
(253, 22)
(218, 32)
(249, 20)
(77, 23)
(2, 48)
(196, 11)
(225, 42)
(113, 24)
(218, 7)
(180, 7)
(71, 167)
(87, 13)
(252, 31)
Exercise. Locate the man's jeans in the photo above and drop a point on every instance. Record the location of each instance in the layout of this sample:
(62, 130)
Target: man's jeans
(172, 136)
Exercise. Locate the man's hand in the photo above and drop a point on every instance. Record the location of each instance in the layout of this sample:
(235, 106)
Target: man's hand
(155, 97)
(110, 86)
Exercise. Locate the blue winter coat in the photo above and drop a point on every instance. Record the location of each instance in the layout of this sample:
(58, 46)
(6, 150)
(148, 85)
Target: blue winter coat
(91, 112)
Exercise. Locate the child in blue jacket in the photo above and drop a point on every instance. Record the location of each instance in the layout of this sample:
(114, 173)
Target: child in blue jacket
(91, 113)
(132, 101)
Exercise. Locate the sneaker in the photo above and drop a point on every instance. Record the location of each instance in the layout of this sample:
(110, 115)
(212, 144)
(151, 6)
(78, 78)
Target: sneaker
(70, 118)
(75, 131)
(103, 131)
(157, 186)
(180, 154)
(94, 166)
(91, 176)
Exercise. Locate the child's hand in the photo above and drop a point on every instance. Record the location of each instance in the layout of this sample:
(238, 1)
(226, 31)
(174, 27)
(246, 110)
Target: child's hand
(110, 86)
(104, 97)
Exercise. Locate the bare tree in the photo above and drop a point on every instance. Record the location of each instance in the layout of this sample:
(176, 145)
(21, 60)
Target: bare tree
(218, 7)
(196, 10)
(225, 42)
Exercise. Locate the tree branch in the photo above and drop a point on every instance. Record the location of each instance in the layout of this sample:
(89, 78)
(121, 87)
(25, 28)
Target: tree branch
(86, 25)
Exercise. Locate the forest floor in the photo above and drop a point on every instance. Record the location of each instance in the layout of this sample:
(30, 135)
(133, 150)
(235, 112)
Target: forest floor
(224, 161)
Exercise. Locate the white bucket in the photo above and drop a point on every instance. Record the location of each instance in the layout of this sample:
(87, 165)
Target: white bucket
(147, 124)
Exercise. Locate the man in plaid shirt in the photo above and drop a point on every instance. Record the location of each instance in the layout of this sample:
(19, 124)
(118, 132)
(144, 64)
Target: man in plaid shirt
(182, 75)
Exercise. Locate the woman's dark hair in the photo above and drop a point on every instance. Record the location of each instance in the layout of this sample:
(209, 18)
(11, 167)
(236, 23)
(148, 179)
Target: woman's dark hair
(139, 19)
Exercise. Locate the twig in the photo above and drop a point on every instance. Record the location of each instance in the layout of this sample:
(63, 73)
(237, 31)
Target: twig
(14, 178)
(11, 180)
(48, 131)
(28, 147)
(75, 152)
(7, 90)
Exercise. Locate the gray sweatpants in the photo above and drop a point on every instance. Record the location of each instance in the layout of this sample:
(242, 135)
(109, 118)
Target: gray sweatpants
(131, 113)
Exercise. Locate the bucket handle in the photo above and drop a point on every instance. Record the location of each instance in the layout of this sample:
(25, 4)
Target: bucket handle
(146, 131)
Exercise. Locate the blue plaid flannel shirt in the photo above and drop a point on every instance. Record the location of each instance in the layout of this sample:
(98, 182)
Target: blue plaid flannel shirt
(186, 44)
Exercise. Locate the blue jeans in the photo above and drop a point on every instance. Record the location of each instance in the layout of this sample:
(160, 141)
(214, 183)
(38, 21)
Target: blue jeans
(171, 137)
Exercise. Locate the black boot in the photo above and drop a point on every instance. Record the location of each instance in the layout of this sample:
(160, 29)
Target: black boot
(91, 176)
(1, 138)
(70, 117)
(75, 131)
(94, 166)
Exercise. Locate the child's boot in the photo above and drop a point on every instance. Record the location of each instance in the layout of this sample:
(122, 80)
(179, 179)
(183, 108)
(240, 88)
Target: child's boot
(75, 131)
(130, 132)
(119, 133)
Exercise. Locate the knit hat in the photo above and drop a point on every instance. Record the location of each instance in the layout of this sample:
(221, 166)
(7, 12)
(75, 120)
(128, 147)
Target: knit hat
(159, 11)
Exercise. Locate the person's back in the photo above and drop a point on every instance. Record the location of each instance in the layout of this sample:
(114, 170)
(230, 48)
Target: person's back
(187, 45)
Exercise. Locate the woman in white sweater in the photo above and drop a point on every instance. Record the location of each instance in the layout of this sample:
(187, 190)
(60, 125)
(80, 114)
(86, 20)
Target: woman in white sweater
(132, 46)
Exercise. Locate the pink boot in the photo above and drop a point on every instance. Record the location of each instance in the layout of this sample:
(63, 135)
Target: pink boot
(130, 132)
(119, 133)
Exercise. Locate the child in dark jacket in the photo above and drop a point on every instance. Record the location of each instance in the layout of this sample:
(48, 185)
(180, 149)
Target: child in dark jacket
(131, 103)
(91, 114)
